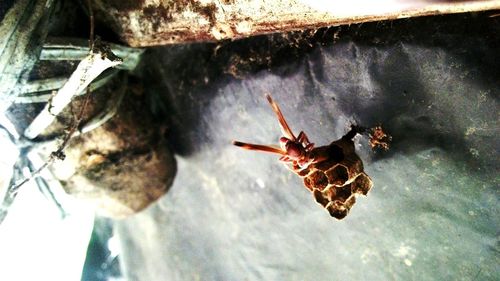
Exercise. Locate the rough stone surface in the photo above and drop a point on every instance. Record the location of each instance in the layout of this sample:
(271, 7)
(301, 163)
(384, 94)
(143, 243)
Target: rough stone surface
(432, 213)
(121, 167)
(158, 22)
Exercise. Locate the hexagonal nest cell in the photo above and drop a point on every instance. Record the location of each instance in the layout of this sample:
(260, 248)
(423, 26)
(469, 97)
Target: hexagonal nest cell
(316, 180)
(336, 181)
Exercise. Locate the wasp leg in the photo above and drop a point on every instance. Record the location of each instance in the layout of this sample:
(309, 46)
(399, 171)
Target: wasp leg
(286, 159)
(302, 138)
(298, 170)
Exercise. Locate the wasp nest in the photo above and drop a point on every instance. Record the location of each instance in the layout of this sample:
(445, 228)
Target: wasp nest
(337, 181)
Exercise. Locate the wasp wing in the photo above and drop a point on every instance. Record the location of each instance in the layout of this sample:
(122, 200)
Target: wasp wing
(285, 129)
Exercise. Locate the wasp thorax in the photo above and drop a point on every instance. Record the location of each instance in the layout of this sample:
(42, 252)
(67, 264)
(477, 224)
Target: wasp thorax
(336, 181)
(294, 149)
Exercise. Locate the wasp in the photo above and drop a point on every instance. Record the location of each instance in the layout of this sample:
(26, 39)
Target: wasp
(333, 173)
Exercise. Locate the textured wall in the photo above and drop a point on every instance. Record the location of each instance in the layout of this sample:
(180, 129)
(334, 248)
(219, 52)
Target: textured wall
(238, 215)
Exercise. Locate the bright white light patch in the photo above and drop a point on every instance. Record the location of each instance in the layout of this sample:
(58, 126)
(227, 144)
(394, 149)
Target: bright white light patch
(37, 243)
(9, 153)
(261, 183)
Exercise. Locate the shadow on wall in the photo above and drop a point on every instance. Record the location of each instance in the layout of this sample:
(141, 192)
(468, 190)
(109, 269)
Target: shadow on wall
(416, 65)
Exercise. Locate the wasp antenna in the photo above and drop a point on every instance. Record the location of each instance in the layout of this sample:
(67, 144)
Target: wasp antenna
(259, 147)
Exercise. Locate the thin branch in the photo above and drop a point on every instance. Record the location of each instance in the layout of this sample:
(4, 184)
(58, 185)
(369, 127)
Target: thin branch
(91, 16)
(105, 115)
(67, 48)
(22, 32)
(30, 91)
(88, 69)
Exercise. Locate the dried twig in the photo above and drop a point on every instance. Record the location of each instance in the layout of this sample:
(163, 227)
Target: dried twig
(31, 90)
(88, 69)
(105, 115)
(99, 59)
(22, 31)
(91, 17)
(67, 48)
